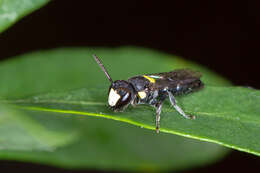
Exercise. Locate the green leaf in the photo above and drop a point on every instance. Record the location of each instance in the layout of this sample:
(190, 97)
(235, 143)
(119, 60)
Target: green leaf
(22, 132)
(13, 10)
(53, 128)
(100, 144)
(233, 121)
(63, 69)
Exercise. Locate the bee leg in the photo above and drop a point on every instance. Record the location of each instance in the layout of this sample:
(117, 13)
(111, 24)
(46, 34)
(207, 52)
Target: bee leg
(173, 102)
(158, 112)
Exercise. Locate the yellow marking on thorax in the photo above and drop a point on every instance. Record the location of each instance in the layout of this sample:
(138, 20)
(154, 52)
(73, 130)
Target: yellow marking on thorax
(149, 78)
(142, 94)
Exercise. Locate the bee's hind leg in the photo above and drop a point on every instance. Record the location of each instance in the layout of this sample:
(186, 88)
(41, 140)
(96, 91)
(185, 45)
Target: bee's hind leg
(173, 102)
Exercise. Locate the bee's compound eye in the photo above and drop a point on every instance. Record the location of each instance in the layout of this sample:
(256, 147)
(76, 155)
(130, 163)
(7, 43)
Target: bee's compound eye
(113, 97)
(125, 97)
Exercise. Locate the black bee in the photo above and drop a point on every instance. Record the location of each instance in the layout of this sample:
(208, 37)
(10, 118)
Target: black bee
(152, 89)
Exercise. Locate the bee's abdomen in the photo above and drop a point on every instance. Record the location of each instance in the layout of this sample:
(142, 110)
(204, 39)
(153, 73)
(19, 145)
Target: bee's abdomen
(187, 87)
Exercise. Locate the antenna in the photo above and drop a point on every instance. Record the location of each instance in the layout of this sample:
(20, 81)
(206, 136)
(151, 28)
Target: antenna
(102, 67)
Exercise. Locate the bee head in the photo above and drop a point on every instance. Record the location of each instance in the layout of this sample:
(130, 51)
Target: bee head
(120, 95)
(121, 92)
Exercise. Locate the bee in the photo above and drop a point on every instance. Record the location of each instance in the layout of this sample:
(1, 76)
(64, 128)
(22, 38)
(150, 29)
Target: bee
(152, 89)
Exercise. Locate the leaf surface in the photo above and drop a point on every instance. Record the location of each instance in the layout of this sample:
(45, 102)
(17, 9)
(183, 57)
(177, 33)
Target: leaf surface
(13, 10)
(46, 98)
(225, 115)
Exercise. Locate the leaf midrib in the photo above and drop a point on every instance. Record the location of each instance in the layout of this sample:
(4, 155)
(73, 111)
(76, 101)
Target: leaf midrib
(176, 132)
(215, 114)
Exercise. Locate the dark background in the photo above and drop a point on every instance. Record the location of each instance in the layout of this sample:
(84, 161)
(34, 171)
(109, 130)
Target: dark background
(222, 35)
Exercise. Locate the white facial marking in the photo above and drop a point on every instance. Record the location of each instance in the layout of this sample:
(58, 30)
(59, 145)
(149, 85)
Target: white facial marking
(113, 97)
(142, 94)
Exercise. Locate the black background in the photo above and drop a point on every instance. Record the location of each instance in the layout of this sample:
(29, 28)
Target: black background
(222, 35)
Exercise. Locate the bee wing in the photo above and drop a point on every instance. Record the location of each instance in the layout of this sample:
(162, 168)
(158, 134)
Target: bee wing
(174, 78)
